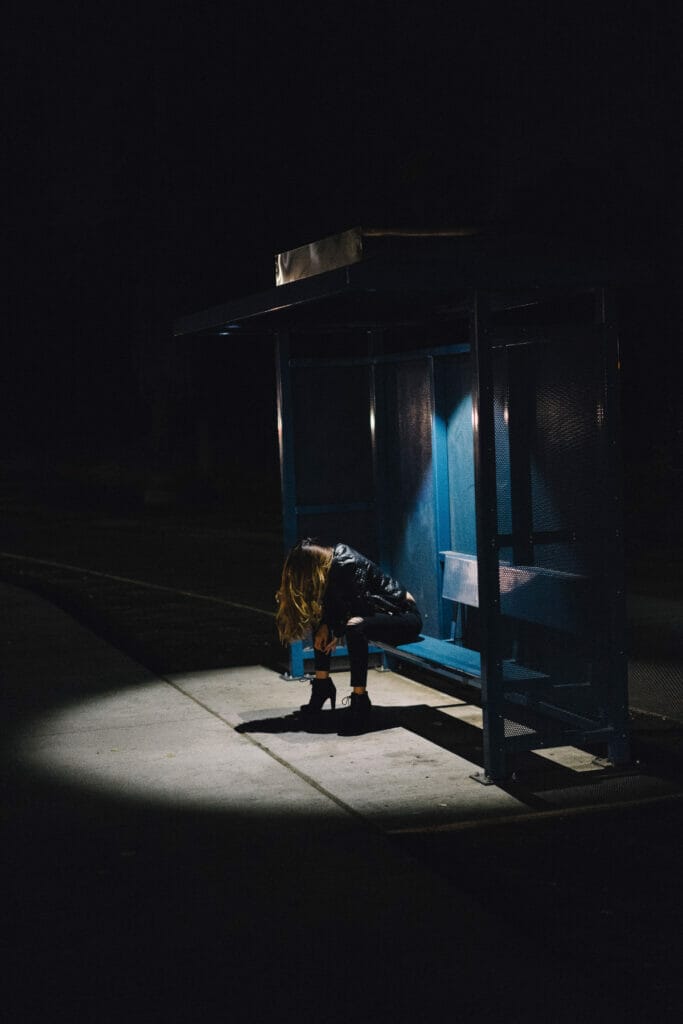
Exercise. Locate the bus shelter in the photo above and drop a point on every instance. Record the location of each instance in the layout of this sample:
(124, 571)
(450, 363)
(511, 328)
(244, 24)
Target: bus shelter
(448, 405)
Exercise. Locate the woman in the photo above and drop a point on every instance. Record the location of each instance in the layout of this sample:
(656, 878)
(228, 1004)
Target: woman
(335, 592)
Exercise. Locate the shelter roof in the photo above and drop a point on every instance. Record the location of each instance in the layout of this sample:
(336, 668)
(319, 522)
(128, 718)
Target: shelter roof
(402, 277)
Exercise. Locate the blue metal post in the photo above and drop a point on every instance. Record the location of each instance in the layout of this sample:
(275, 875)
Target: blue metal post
(441, 489)
(617, 682)
(374, 348)
(287, 476)
(487, 541)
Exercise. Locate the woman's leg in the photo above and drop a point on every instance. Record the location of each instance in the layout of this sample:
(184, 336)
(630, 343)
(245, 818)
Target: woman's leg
(321, 662)
(357, 646)
(393, 629)
(322, 687)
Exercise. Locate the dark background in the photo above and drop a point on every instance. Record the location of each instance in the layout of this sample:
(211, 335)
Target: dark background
(154, 166)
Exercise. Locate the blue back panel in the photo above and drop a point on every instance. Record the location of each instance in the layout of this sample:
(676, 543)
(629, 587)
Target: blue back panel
(406, 504)
(332, 443)
(453, 385)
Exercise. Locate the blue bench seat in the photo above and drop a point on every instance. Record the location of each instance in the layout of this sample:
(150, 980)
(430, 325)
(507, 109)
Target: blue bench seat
(448, 658)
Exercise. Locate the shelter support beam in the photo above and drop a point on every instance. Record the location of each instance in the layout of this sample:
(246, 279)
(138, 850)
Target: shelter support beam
(487, 539)
(618, 748)
(287, 475)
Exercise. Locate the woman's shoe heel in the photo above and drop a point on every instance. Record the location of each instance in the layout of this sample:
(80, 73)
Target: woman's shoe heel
(321, 690)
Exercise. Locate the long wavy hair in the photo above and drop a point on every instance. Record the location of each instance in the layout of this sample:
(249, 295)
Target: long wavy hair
(302, 588)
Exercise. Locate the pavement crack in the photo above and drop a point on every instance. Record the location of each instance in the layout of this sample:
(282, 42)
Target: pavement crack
(347, 808)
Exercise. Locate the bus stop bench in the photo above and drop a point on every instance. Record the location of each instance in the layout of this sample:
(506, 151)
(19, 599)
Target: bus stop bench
(528, 593)
(448, 659)
(555, 600)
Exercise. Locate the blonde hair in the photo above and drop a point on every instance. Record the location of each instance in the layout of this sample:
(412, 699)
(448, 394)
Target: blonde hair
(302, 588)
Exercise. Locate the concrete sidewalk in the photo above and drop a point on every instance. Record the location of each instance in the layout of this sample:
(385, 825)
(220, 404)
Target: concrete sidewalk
(232, 740)
(186, 847)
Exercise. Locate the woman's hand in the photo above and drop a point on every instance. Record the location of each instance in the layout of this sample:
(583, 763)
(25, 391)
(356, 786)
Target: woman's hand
(322, 641)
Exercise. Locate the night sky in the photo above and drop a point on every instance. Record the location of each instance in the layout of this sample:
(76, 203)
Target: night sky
(156, 165)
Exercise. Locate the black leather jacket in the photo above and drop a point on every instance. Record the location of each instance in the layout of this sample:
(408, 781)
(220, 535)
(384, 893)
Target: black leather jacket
(356, 586)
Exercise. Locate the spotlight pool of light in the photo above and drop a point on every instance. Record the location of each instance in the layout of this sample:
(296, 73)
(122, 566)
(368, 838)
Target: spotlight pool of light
(161, 742)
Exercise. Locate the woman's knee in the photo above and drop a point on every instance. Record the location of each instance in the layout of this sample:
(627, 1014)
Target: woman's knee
(355, 630)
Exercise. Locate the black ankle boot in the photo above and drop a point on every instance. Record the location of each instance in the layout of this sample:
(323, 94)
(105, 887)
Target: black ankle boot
(321, 690)
(357, 717)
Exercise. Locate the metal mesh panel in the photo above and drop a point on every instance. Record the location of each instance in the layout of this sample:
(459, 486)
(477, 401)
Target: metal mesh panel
(566, 482)
(657, 688)
(454, 407)
(512, 728)
(350, 527)
(555, 576)
(405, 480)
(500, 422)
(332, 441)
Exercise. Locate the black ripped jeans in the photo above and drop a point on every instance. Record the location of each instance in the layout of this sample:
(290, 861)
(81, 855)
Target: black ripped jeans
(401, 628)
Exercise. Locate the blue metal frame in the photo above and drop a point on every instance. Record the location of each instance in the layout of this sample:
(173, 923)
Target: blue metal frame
(453, 288)
(287, 473)
(487, 539)
(618, 748)
(441, 494)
